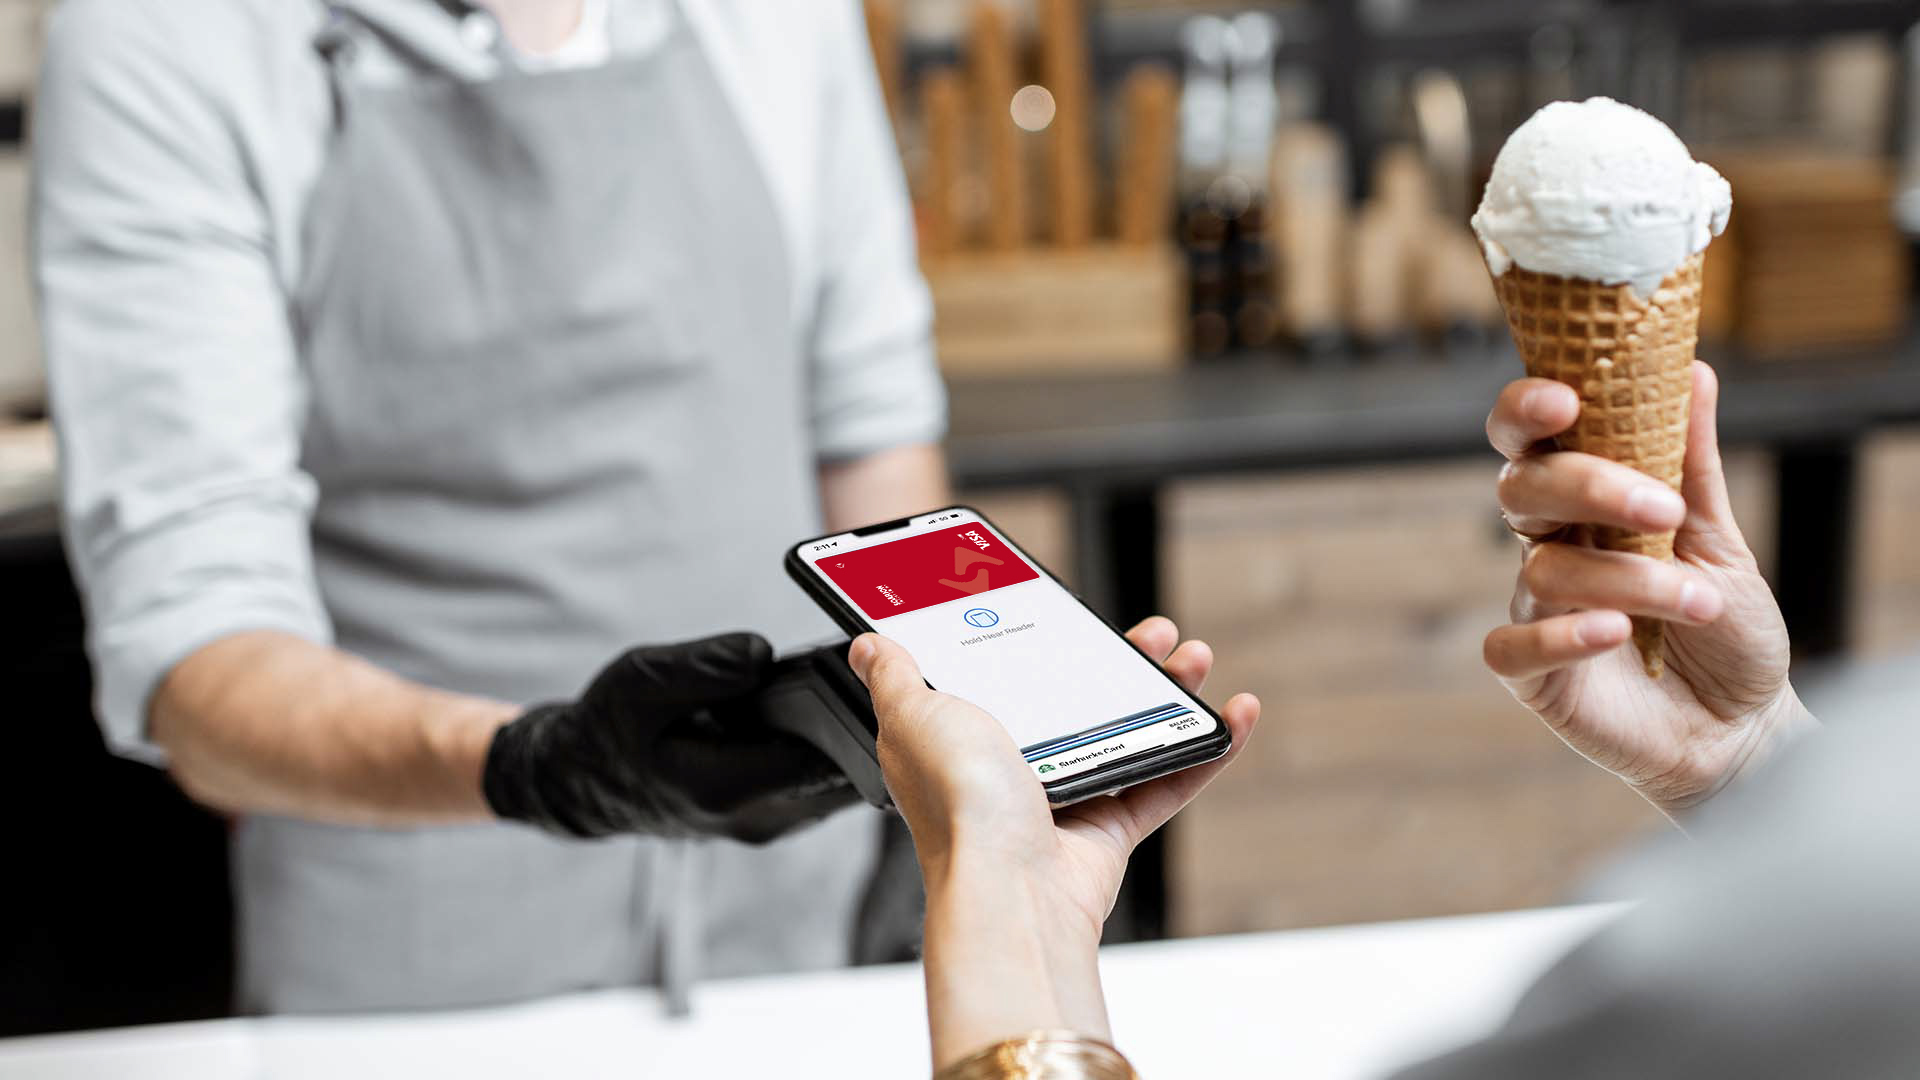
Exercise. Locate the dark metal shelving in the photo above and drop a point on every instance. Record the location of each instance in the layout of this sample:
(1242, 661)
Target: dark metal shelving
(1708, 22)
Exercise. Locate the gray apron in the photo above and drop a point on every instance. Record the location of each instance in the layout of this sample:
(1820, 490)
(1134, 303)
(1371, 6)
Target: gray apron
(557, 408)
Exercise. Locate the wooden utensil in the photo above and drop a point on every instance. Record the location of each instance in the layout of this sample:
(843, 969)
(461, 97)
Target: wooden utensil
(1144, 196)
(1063, 70)
(991, 56)
(943, 109)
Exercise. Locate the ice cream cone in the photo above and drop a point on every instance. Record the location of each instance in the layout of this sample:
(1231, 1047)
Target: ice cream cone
(1630, 360)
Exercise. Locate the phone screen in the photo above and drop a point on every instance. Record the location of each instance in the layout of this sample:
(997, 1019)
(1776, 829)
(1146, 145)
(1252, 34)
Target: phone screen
(986, 625)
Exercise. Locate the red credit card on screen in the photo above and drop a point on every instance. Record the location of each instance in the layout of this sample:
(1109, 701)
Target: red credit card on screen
(921, 571)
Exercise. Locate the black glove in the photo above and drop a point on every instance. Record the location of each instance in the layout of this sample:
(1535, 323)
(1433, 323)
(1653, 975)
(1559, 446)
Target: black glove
(669, 740)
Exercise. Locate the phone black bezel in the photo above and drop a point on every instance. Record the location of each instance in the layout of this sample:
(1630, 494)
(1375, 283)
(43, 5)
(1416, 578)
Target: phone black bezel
(1104, 780)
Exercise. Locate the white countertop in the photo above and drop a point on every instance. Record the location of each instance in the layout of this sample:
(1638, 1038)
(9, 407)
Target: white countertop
(1332, 1004)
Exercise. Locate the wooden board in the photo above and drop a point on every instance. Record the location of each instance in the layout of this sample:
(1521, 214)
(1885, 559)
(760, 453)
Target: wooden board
(1818, 260)
(1102, 308)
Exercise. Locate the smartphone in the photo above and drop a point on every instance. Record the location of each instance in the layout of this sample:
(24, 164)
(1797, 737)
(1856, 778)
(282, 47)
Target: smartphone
(1090, 713)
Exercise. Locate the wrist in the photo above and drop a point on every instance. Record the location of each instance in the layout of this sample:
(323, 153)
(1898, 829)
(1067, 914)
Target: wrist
(458, 734)
(1768, 731)
(979, 877)
(1006, 953)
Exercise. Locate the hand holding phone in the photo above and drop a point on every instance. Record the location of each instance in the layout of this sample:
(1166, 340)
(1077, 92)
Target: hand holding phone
(1090, 712)
(1017, 893)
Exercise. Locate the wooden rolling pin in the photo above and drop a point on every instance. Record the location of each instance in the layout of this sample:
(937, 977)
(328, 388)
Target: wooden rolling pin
(1377, 274)
(1063, 70)
(1144, 199)
(943, 109)
(1309, 226)
(991, 53)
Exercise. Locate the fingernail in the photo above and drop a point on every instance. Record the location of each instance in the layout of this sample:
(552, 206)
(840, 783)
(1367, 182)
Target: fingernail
(1698, 602)
(1601, 628)
(1656, 504)
(861, 654)
(1532, 402)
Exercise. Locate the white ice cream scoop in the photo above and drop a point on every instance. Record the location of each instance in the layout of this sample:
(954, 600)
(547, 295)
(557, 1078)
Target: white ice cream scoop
(1602, 191)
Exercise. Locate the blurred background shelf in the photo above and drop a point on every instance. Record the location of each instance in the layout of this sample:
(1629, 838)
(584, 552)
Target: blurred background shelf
(1408, 405)
(1110, 443)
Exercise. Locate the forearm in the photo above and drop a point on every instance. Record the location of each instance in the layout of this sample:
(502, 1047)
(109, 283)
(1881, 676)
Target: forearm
(879, 487)
(269, 723)
(1001, 962)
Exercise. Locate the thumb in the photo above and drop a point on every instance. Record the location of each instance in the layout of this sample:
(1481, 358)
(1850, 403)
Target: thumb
(1704, 479)
(889, 673)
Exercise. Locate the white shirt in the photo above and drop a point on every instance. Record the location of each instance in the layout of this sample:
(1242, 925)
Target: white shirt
(176, 147)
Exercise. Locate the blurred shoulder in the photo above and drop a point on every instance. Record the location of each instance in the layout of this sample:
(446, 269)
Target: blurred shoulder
(798, 24)
(787, 45)
(200, 37)
(185, 20)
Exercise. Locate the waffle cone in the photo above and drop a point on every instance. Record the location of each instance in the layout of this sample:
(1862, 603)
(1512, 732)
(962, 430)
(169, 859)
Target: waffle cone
(1630, 360)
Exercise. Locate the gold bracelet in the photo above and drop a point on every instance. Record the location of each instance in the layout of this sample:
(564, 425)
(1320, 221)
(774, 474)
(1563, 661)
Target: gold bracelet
(1043, 1055)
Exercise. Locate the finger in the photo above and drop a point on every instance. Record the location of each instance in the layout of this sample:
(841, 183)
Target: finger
(1704, 481)
(1526, 650)
(1529, 410)
(1568, 577)
(1526, 607)
(890, 676)
(1138, 811)
(692, 672)
(1156, 635)
(1190, 664)
(1561, 487)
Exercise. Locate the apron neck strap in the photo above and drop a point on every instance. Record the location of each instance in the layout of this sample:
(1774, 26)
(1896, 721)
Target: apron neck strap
(407, 32)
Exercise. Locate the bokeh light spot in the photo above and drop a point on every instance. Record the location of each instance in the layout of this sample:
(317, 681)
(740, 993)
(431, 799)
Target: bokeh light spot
(1032, 107)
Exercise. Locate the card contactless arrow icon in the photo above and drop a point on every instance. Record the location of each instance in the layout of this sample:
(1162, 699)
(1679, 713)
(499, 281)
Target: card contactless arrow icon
(964, 559)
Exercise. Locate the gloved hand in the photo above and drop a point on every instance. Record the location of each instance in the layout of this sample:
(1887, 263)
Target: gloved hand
(668, 740)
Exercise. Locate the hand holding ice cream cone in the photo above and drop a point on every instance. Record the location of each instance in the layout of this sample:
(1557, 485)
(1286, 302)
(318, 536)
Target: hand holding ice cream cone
(1723, 701)
(1593, 226)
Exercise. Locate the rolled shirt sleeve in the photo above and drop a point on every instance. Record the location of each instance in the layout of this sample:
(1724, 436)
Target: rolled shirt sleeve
(175, 386)
(875, 383)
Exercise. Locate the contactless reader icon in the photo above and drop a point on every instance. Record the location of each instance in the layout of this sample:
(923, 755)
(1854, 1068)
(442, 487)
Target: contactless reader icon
(981, 618)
